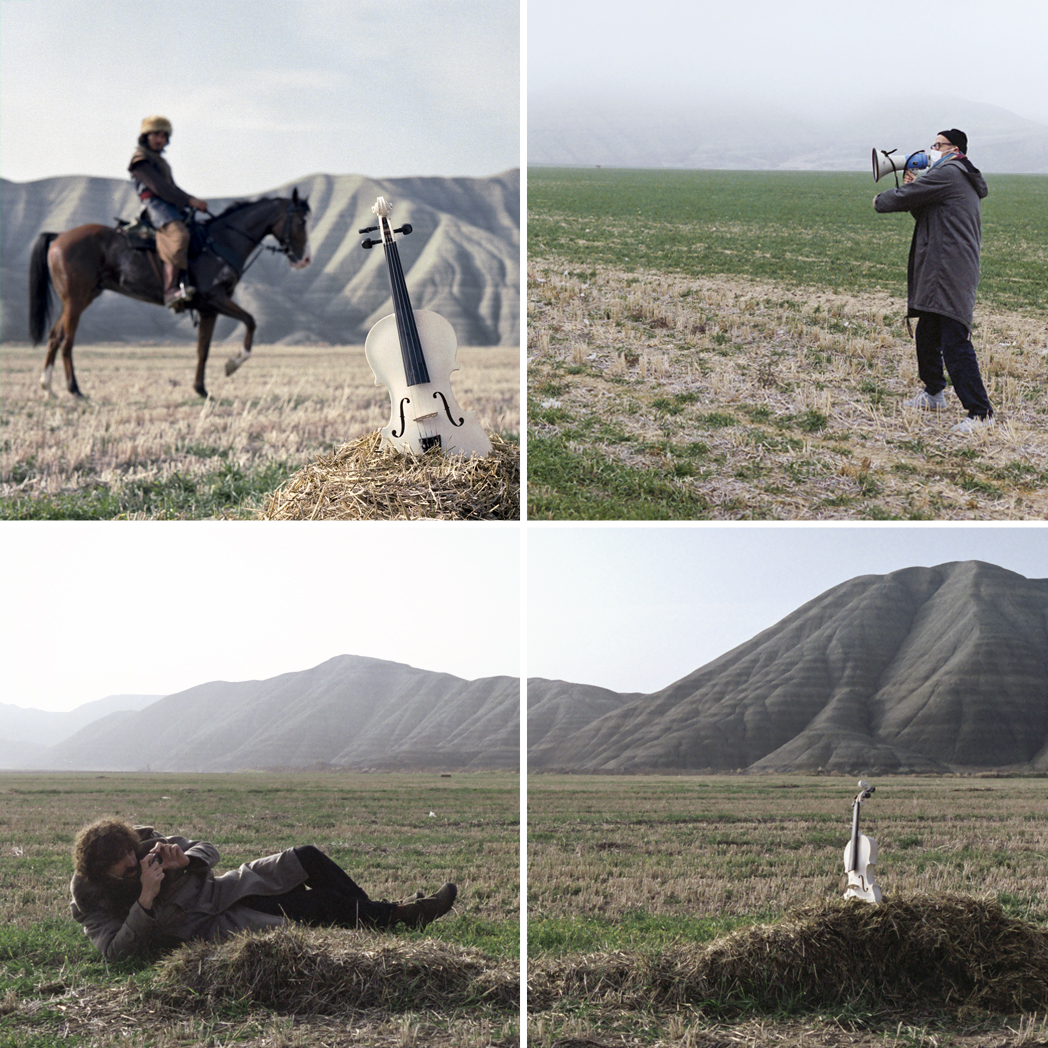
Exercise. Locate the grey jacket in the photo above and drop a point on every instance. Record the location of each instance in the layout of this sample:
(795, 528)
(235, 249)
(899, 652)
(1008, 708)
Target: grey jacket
(193, 902)
(943, 270)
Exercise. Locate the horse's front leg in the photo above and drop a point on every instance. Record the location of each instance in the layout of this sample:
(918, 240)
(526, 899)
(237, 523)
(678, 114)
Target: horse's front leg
(204, 333)
(231, 309)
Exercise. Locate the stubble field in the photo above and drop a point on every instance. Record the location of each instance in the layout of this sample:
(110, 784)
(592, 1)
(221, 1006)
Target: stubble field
(627, 875)
(732, 345)
(144, 446)
(394, 834)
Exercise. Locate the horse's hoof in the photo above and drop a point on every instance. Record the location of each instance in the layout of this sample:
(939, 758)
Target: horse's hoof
(234, 362)
(201, 391)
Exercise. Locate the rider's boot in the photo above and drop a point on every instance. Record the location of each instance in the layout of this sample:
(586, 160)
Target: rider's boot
(176, 292)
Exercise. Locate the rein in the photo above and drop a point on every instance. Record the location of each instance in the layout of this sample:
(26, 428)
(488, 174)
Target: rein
(284, 240)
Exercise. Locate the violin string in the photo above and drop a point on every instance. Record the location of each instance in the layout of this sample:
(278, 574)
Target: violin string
(416, 372)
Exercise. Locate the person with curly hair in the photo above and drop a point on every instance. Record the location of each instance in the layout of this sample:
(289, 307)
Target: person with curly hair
(134, 889)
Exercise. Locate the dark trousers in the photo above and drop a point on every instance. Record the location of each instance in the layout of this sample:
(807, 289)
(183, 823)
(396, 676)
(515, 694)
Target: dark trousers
(942, 339)
(329, 897)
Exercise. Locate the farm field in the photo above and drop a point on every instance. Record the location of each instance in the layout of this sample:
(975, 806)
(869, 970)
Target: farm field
(143, 446)
(455, 983)
(630, 877)
(732, 345)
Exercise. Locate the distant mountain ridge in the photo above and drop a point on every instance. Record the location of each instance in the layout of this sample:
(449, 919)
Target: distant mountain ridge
(348, 712)
(25, 732)
(676, 133)
(922, 670)
(461, 260)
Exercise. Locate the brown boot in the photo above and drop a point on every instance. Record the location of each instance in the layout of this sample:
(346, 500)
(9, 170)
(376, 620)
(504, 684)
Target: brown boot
(420, 912)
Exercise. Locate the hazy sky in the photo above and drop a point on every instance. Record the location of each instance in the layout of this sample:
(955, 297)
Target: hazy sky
(261, 91)
(817, 56)
(636, 608)
(90, 610)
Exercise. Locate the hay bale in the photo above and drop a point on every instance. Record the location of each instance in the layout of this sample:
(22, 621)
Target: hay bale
(363, 480)
(309, 971)
(937, 951)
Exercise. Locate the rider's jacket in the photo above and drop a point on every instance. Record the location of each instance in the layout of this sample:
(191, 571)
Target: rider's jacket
(155, 185)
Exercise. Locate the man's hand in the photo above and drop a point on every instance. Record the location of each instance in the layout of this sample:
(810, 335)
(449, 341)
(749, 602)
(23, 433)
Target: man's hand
(171, 856)
(200, 205)
(152, 876)
(908, 178)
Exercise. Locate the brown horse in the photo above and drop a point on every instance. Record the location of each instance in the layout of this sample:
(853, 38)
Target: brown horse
(83, 262)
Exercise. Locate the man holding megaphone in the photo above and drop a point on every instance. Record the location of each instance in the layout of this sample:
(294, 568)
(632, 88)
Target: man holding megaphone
(943, 273)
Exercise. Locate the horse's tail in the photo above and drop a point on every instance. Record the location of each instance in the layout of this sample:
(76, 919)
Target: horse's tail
(39, 288)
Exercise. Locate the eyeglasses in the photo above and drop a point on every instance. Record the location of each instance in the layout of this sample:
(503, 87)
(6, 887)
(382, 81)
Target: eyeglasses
(940, 146)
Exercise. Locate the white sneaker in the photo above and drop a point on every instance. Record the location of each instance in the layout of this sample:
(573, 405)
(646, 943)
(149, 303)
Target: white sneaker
(927, 401)
(973, 424)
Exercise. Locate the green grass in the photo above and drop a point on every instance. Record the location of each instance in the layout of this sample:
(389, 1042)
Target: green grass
(227, 491)
(378, 827)
(568, 485)
(807, 229)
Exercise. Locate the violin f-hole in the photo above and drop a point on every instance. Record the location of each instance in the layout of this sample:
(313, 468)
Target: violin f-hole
(403, 422)
(447, 410)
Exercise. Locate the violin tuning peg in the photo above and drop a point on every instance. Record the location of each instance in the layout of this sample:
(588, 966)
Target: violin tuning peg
(368, 244)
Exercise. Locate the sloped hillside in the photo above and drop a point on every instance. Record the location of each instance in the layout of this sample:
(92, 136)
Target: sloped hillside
(921, 670)
(462, 259)
(348, 712)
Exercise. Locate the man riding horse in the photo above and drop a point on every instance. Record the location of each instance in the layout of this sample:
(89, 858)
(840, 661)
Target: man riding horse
(165, 205)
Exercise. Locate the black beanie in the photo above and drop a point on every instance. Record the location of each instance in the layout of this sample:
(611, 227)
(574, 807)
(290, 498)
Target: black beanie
(957, 138)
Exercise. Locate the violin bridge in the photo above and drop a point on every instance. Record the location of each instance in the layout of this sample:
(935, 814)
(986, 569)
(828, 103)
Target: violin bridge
(422, 418)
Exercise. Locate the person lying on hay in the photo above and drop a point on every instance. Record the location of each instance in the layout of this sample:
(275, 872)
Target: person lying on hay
(134, 889)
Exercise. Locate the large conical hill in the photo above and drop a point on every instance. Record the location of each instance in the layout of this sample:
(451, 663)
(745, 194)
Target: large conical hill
(920, 670)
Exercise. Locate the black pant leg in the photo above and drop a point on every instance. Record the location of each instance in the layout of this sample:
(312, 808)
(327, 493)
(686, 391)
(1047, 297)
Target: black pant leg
(928, 338)
(322, 907)
(325, 873)
(963, 366)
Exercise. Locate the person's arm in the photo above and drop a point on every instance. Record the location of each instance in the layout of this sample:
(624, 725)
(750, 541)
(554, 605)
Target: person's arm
(164, 187)
(912, 196)
(114, 938)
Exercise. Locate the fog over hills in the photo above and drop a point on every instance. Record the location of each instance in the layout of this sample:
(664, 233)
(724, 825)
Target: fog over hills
(699, 133)
(348, 712)
(462, 260)
(921, 670)
(25, 732)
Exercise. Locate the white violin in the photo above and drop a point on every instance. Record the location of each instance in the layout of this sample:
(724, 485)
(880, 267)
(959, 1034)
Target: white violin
(412, 353)
(860, 854)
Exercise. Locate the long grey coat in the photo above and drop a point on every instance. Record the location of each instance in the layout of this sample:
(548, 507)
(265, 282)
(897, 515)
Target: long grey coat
(943, 271)
(193, 902)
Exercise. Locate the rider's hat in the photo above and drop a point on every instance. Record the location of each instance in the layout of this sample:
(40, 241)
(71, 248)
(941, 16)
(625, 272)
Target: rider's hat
(156, 123)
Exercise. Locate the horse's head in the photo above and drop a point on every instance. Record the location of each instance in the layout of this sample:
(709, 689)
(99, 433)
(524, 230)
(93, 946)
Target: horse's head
(291, 231)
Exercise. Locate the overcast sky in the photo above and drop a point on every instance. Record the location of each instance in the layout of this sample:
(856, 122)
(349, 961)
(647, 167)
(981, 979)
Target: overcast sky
(91, 610)
(815, 56)
(636, 608)
(261, 92)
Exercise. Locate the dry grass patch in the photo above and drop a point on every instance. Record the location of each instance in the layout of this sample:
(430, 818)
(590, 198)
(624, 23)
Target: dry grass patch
(142, 424)
(363, 480)
(943, 953)
(772, 402)
(308, 971)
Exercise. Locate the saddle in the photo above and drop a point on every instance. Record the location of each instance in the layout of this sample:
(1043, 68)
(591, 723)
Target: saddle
(141, 234)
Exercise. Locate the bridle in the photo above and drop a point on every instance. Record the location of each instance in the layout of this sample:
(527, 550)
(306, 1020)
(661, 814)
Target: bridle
(284, 240)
